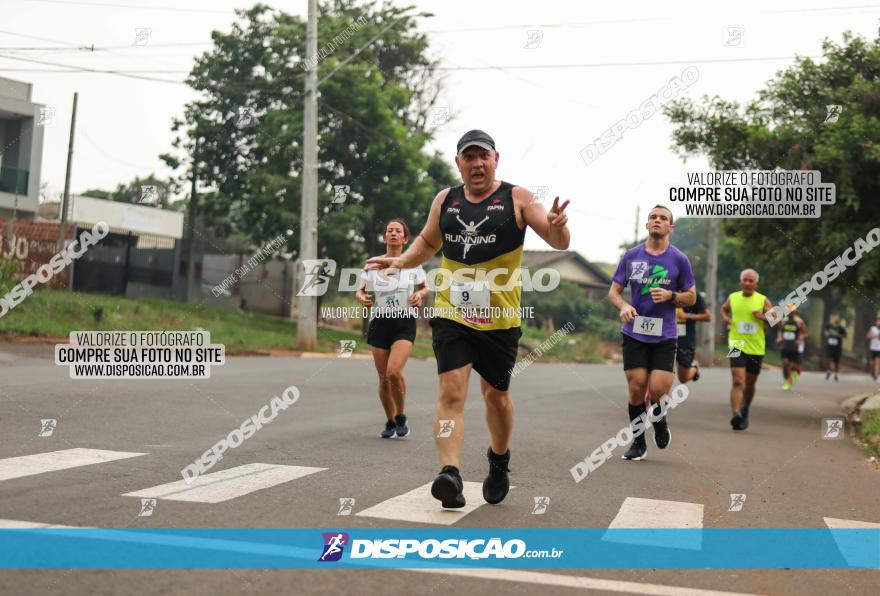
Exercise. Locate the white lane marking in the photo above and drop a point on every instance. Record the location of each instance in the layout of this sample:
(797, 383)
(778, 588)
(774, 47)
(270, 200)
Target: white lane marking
(647, 514)
(577, 581)
(836, 524)
(53, 461)
(853, 551)
(13, 524)
(224, 485)
(420, 507)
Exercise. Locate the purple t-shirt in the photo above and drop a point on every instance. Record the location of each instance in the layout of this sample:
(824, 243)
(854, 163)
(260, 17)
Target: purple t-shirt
(643, 271)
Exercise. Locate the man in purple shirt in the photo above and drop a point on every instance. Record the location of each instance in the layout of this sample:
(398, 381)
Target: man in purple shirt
(660, 278)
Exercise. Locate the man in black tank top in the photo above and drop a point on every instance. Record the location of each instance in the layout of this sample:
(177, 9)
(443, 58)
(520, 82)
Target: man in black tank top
(480, 226)
(791, 333)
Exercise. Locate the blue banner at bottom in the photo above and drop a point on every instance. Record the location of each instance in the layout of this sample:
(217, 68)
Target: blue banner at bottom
(201, 548)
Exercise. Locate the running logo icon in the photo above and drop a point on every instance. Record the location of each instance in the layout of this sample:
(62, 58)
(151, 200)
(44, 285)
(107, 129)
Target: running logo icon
(346, 506)
(47, 427)
(540, 505)
(735, 37)
(533, 39)
(147, 507)
(246, 117)
(832, 428)
(340, 193)
(46, 117)
(446, 428)
(736, 347)
(833, 114)
(334, 546)
(439, 116)
(149, 194)
(317, 274)
(639, 269)
(346, 347)
(736, 502)
(142, 36)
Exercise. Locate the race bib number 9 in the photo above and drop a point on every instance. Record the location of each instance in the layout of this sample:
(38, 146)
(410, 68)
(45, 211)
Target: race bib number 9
(747, 327)
(648, 326)
(469, 295)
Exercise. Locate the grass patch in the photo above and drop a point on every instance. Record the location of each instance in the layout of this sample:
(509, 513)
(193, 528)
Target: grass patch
(869, 431)
(57, 313)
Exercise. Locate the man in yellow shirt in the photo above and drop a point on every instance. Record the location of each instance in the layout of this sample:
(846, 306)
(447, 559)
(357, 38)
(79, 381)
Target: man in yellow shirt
(743, 313)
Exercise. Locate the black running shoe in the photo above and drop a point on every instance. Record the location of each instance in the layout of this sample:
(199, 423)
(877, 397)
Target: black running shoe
(835, 377)
(827, 375)
(736, 421)
(402, 429)
(390, 427)
(496, 484)
(637, 450)
(662, 434)
(447, 488)
(696, 374)
(744, 414)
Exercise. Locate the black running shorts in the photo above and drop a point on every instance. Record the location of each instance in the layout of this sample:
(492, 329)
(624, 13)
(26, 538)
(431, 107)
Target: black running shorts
(833, 352)
(493, 352)
(384, 331)
(684, 355)
(791, 355)
(638, 354)
(751, 363)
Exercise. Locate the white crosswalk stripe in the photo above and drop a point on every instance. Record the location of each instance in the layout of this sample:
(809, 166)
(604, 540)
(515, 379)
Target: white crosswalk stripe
(420, 507)
(224, 485)
(54, 461)
(654, 513)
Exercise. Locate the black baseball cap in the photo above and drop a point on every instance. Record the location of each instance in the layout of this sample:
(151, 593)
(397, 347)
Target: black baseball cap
(478, 138)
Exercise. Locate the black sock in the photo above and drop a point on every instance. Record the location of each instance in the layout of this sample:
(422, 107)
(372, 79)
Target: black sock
(635, 412)
(450, 470)
(503, 457)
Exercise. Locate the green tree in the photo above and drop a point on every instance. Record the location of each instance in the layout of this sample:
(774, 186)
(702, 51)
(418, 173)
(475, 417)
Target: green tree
(785, 127)
(371, 125)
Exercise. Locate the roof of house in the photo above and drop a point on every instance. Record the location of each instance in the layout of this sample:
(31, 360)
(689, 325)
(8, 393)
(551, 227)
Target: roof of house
(544, 258)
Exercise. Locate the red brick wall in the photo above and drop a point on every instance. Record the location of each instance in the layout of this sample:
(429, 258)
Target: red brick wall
(33, 244)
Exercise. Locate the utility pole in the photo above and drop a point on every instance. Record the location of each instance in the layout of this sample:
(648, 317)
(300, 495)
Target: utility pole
(65, 199)
(636, 229)
(708, 343)
(308, 235)
(191, 294)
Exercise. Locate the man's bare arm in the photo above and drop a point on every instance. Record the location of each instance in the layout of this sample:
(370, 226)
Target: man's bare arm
(553, 229)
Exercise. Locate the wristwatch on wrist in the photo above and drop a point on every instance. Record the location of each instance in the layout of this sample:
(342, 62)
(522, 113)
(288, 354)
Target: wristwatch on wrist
(673, 298)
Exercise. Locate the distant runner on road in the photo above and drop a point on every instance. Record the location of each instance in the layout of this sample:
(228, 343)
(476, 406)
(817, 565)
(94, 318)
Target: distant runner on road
(743, 312)
(834, 334)
(686, 324)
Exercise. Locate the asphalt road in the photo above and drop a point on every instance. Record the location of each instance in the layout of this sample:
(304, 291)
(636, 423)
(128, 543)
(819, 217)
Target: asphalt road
(791, 476)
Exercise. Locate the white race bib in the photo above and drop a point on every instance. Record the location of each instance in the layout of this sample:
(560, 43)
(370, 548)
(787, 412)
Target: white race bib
(682, 329)
(392, 301)
(469, 295)
(747, 327)
(648, 326)
(833, 341)
(788, 335)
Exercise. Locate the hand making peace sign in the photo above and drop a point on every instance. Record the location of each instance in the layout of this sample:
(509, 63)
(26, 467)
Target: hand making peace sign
(556, 216)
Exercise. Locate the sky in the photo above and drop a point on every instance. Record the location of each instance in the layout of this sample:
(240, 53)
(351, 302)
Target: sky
(545, 79)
